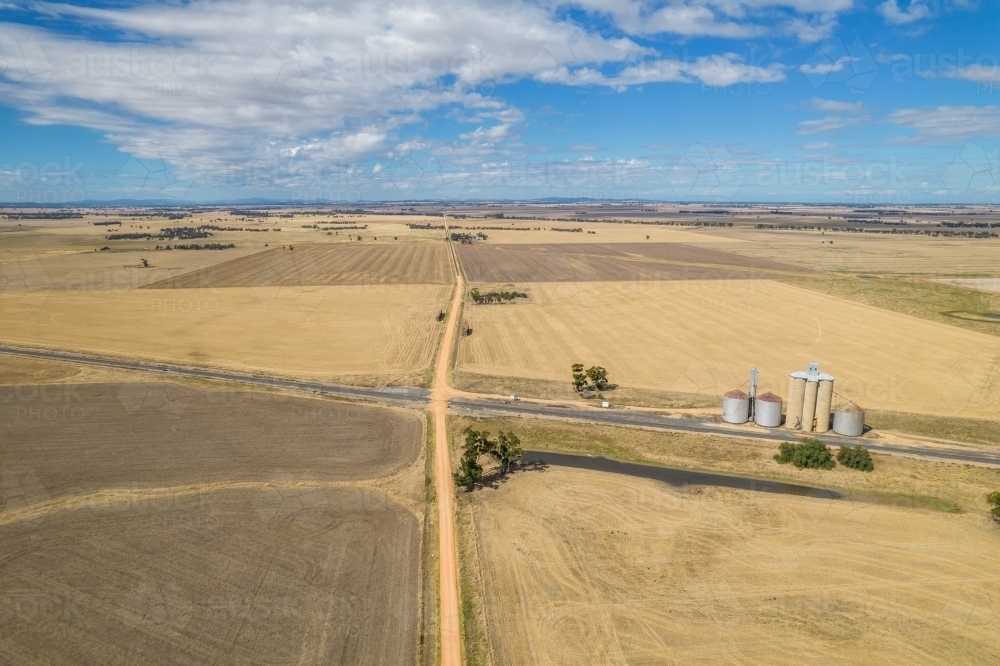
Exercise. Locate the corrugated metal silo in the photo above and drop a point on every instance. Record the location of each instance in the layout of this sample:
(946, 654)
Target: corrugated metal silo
(809, 405)
(767, 410)
(849, 419)
(736, 407)
(824, 401)
(796, 394)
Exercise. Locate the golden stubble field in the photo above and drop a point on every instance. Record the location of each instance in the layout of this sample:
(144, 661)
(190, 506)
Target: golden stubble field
(703, 336)
(580, 567)
(875, 254)
(365, 333)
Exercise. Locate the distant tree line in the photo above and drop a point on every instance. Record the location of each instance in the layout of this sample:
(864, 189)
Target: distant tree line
(468, 238)
(196, 246)
(495, 296)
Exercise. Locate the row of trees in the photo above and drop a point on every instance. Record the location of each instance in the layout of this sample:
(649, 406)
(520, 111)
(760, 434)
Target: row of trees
(495, 296)
(814, 454)
(595, 374)
(504, 450)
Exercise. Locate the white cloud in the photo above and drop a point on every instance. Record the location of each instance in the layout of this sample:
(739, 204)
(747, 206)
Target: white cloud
(824, 68)
(835, 106)
(893, 13)
(818, 145)
(948, 123)
(826, 125)
(810, 20)
(977, 73)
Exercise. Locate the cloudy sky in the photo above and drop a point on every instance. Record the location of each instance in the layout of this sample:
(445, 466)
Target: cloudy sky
(856, 101)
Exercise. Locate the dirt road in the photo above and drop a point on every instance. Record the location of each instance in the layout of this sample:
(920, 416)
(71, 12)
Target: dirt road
(451, 640)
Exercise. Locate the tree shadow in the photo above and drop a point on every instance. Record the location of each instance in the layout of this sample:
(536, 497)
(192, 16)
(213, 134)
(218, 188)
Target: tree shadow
(495, 478)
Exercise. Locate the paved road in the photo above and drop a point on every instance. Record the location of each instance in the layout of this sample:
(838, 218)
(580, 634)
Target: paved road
(626, 417)
(395, 395)
(421, 398)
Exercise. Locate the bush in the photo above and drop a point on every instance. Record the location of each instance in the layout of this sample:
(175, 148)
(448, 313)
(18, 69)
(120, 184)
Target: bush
(994, 499)
(856, 457)
(811, 453)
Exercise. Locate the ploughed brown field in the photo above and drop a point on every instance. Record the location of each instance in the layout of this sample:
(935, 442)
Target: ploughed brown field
(596, 262)
(159, 523)
(325, 265)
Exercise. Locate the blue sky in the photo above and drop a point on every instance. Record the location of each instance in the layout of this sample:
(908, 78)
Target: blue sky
(839, 101)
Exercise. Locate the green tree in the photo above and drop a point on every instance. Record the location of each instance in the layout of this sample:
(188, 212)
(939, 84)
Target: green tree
(505, 449)
(994, 500)
(579, 377)
(856, 457)
(599, 376)
(469, 470)
(145, 263)
(811, 453)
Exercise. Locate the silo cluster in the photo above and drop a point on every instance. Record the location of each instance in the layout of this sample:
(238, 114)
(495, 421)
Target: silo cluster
(810, 400)
(810, 404)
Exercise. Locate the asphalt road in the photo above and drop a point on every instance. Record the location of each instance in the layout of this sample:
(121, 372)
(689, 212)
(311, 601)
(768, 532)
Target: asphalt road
(418, 397)
(394, 395)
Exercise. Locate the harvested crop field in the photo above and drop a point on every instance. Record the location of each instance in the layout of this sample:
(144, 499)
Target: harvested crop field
(581, 567)
(156, 523)
(104, 271)
(704, 336)
(343, 263)
(167, 434)
(364, 333)
(591, 262)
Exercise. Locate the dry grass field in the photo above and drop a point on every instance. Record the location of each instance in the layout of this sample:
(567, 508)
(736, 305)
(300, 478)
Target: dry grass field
(574, 566)
(874, 254)
(326, 265)
(360, 333)
(103, 271)
(576, 262)
(157, 523)
(587, 567)
(704, 336)
(541, 232)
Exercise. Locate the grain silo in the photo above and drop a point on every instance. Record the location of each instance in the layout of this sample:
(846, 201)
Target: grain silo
(796, 394)
(736, 407)
(824, 401)
(767, 410)
(810, 395)
(849, 419)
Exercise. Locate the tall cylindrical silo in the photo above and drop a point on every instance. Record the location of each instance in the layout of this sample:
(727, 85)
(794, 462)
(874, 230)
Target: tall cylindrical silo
(809, 405)
(736, 407)
(824, 401)
(849, 419)
(796, 394)
(767, 410)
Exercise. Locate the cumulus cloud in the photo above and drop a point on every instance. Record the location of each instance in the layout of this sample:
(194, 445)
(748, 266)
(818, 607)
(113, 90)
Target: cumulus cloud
(225, 84)
(893, 13)
(810, 20)
(948, 123)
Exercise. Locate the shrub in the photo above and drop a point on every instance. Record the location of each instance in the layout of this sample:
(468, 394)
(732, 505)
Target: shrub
(994, 500)
(856, 457)
(811, 453)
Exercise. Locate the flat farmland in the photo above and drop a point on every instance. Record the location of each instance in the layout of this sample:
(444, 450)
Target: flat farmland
(577, 566)
(343, 263)
(79, 271)
(703, 336)
(544, 231)
(569, 262)
(385, 333)
(875, 254)
(158, 523)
